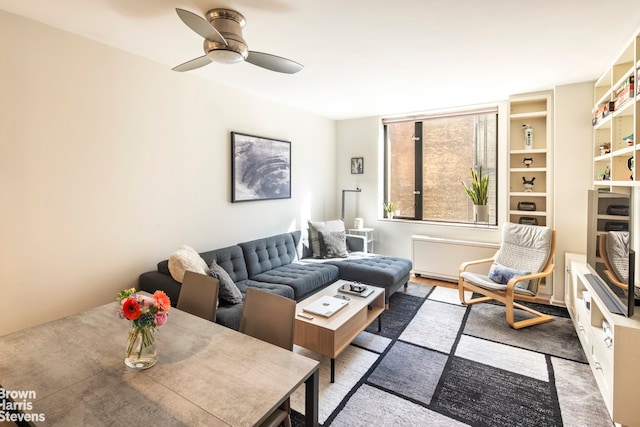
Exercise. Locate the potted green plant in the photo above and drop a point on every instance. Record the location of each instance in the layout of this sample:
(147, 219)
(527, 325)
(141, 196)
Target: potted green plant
(389, 208)
(478, 192)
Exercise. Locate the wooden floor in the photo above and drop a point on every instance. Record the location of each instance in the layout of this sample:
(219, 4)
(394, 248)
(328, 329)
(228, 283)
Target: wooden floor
(434, 282)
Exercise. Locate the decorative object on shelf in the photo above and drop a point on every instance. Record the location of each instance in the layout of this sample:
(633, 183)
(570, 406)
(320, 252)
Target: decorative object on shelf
(605, 148)
(616, 226)
(601, 111)
(527, 161)
(528, 220)
(146, 314)
(528, 184)
(624, 92)
(260, 168)
(357, 165)
(586, 297)
(631, 166)
(528, 137)
(606, 176)
(628, 139)
(358, 223)
(389, 208)
(618, 210)
(526, 206)
(479, 194)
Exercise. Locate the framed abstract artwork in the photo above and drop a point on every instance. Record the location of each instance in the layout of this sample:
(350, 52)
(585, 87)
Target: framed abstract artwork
(260, 168)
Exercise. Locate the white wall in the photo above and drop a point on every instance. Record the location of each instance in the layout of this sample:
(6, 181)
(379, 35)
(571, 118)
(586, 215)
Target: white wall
(108, 162)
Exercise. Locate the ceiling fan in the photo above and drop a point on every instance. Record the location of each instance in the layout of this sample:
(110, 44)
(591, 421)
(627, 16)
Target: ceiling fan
(223, 42)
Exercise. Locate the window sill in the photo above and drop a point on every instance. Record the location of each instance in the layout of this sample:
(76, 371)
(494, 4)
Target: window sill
(479, 226)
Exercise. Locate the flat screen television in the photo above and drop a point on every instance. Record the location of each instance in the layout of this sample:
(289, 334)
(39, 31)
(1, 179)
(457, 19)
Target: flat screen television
(610, 257)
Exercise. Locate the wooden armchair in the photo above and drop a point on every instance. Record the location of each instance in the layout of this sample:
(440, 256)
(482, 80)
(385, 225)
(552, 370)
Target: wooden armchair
(523, 260)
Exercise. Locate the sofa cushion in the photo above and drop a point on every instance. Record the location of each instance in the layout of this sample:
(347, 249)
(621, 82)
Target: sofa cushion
(377, 270)
(185, 258)
(231, 259)
(228, 290)
(265, 254)
(333, 244)
(325, 226)
(274, 288)
(303, 278)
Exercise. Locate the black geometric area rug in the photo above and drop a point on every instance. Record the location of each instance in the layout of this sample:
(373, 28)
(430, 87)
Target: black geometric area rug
(438, 363)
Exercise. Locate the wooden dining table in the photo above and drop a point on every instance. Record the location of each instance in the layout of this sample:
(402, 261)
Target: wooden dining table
(71, 371)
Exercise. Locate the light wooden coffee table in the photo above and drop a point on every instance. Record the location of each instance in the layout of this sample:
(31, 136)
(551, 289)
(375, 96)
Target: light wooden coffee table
(329, 336)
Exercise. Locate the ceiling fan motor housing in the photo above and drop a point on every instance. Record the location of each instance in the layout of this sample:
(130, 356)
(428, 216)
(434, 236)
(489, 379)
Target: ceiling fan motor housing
(229, 24)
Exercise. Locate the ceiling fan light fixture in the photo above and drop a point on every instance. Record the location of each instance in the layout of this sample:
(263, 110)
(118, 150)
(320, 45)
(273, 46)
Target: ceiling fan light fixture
(224, 42)
(225, 56)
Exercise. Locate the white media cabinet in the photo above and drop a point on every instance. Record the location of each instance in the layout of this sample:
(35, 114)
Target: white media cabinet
(615, 357)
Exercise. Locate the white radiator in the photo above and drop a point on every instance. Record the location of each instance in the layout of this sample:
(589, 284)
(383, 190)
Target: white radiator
(439, 258)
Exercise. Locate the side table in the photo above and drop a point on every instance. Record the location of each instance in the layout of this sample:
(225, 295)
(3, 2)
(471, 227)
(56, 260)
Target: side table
(368, 235)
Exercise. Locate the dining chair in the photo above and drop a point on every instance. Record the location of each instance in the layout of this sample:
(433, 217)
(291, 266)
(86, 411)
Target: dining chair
(199, 295)
(525, 257)
(271, 318)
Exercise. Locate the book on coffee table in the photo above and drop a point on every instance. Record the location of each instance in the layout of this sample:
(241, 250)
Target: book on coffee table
(326, 306)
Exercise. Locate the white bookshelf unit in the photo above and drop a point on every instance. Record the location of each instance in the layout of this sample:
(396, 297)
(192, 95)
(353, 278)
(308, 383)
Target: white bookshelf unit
(611, 343)
(533, 161)
(615, 121)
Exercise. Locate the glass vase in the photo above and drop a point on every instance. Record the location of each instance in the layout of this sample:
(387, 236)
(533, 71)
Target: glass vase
(141, 348)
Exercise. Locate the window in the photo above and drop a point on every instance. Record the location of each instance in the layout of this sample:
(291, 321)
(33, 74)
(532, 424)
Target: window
(427, 158)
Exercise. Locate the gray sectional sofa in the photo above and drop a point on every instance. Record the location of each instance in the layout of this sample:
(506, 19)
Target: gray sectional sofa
(283, 264)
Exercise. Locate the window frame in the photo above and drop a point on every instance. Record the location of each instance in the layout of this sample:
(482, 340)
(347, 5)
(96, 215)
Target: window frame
(419, 184)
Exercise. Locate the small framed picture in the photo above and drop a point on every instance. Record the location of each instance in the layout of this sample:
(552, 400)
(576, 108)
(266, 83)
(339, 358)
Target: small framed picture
(357, 165)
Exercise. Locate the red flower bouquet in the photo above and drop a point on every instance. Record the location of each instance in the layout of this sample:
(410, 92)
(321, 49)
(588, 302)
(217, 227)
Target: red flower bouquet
(146, 314)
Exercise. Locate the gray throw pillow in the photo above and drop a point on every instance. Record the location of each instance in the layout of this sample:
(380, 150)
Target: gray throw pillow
(315, 227)
(228, 290)
(333, 244)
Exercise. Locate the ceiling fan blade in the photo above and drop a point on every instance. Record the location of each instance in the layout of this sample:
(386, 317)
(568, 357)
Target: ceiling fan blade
(200, 26)
(274, 63)
(193, 64)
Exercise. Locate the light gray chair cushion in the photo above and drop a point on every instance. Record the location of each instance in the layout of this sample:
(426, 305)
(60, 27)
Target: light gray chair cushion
(485, 282)
(524, 247)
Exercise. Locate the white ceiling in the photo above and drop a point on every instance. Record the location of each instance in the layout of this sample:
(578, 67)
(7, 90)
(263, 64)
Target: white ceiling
(372, 57)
